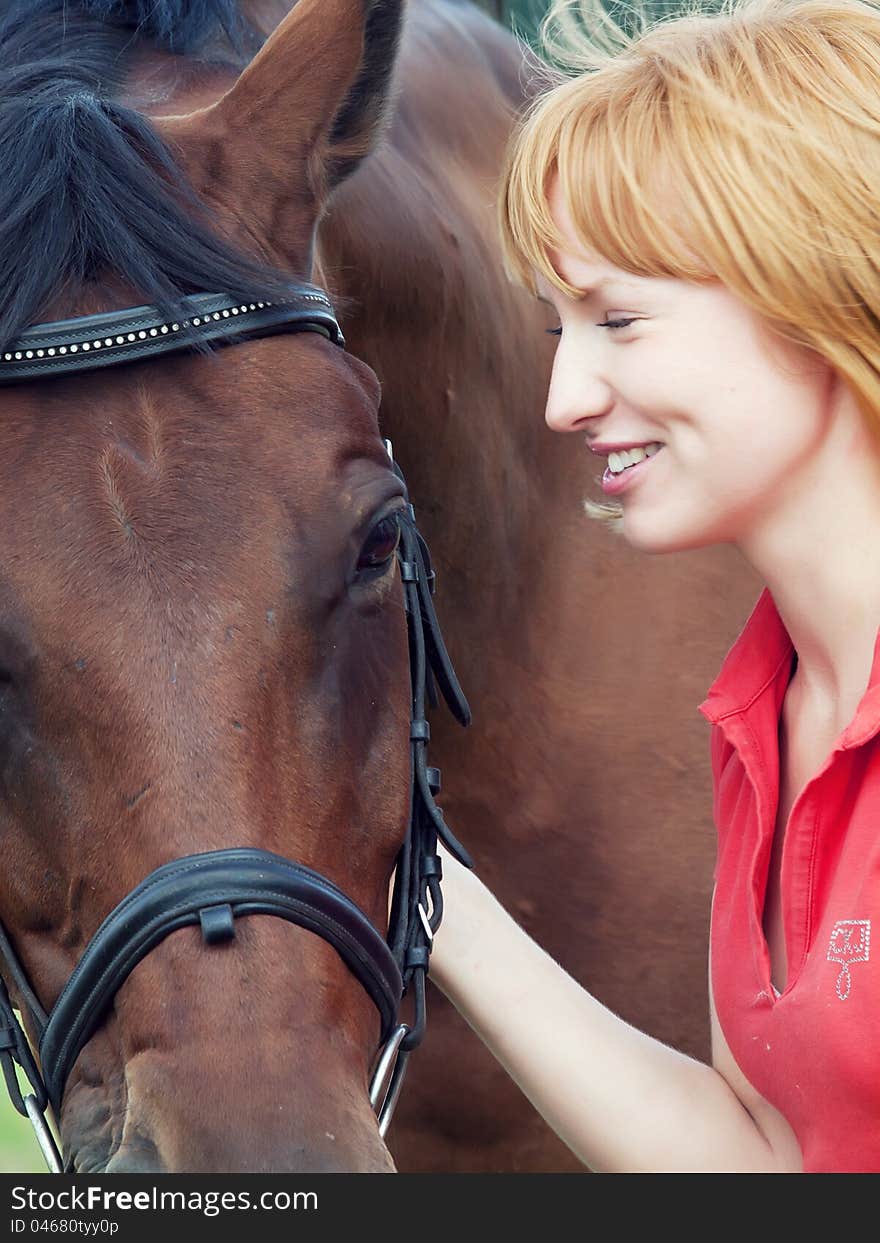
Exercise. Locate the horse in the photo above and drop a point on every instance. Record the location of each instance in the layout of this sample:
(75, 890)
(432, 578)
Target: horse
(204, 644)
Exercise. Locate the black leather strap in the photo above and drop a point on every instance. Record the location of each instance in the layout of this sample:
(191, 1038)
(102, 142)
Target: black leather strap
(16, 1051)
(417, 903)
(92, 341)
(250, 882)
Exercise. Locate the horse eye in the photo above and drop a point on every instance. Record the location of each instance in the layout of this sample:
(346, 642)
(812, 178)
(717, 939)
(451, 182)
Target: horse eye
(380, 545)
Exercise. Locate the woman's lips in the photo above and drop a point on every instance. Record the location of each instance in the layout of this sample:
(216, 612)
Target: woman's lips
(613, 485)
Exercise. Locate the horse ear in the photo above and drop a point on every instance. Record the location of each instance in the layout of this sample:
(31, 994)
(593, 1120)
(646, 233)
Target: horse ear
(300, 118)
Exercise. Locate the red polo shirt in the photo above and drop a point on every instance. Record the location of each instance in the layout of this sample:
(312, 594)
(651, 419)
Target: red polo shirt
(814, 1051)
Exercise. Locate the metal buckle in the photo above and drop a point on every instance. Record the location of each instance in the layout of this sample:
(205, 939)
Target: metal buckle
(387, 1078)
(44, 1135)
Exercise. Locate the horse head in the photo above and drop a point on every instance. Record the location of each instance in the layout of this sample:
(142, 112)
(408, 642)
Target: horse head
(203, 639)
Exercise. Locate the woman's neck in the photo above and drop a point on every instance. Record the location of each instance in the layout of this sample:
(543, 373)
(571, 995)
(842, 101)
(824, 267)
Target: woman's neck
(818, 551)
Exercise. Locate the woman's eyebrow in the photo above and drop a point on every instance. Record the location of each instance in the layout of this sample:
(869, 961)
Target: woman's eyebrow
(583, 291)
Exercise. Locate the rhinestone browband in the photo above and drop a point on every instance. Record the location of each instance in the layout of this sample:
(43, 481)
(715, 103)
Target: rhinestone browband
(114, 337)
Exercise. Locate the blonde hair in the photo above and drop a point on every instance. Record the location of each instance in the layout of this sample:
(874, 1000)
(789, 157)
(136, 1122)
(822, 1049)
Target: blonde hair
(740, 145)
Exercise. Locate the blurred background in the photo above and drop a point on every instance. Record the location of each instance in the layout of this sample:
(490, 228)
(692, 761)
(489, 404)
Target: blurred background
(19, 1153)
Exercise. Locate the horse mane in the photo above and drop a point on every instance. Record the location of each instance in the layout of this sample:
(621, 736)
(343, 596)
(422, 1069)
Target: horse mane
(181, 26)
(87, 186)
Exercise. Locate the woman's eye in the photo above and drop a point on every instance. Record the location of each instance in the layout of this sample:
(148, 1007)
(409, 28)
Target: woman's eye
(617, 323)
(608, 323)
(381, 544)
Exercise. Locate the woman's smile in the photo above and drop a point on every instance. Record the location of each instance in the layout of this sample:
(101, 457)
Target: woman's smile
(626, 468)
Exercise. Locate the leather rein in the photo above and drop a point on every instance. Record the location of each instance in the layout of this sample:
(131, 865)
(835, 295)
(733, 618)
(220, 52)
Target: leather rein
(212, 890)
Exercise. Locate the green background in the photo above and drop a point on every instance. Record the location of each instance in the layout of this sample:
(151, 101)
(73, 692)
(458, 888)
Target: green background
(19, 1151)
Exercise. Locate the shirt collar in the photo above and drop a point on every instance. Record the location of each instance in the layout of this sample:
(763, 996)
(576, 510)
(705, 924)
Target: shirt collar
(761, 658)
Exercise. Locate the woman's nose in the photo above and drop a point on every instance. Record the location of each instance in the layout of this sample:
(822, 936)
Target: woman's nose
(577, 394)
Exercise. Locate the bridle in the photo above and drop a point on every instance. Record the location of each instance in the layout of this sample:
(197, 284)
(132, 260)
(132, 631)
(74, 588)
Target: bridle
(213, 889)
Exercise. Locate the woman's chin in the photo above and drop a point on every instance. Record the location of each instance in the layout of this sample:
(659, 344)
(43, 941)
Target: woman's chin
(648, 533)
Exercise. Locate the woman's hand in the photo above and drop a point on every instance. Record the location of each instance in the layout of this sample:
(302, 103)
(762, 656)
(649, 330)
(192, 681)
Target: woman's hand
(619, 1099)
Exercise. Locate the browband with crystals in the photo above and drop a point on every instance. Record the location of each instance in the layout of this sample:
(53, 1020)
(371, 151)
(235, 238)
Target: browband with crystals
(91, 341)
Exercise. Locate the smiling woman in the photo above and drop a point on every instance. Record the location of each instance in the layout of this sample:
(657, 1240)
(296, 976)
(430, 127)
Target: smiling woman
(702, 154)
(698, 202)
(649, 363)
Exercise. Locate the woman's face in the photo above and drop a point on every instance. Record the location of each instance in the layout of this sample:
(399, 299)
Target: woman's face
(738, 415)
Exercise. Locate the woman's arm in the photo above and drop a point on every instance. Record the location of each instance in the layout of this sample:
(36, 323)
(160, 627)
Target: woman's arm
(622, 1101)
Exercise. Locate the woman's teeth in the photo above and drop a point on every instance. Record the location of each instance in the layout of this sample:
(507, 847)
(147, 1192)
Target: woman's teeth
(618, 462)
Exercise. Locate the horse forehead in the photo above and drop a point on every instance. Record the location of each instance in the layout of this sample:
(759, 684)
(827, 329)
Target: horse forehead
(289, 407)
(203, 468)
